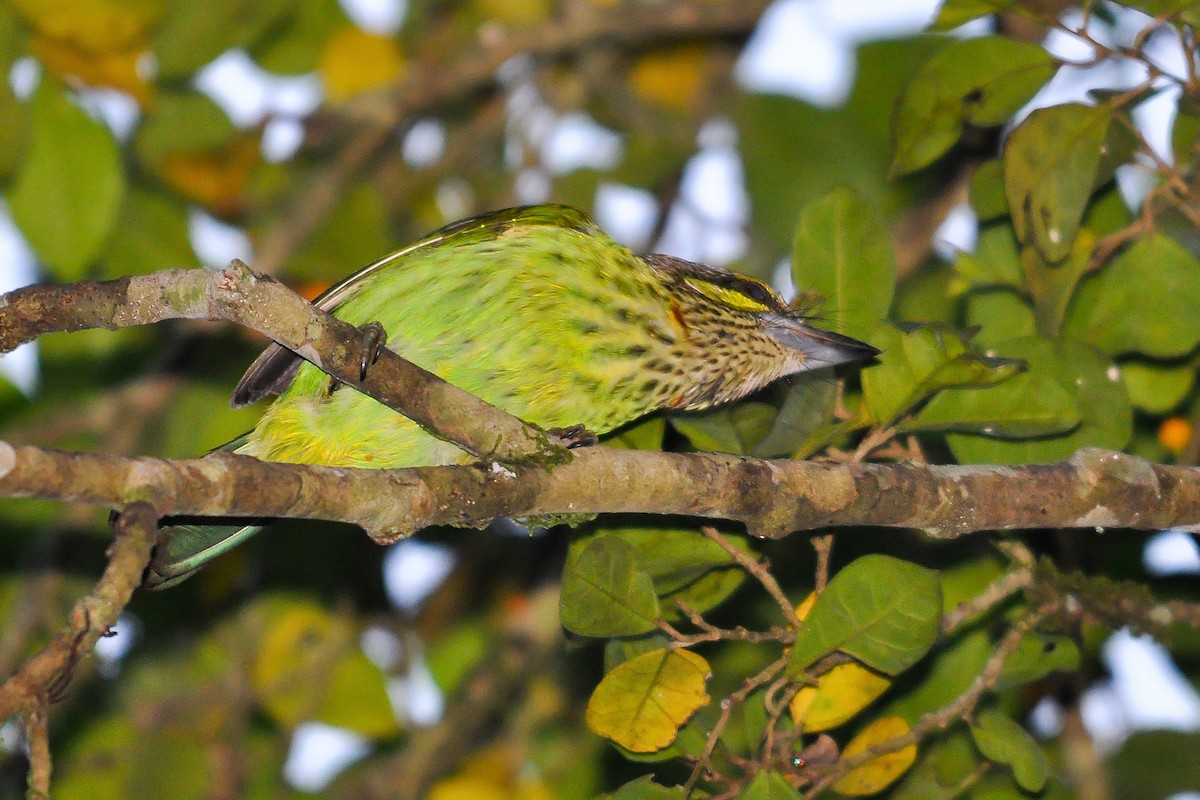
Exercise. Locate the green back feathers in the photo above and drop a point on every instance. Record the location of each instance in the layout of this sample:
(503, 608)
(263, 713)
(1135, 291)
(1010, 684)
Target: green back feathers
(535, 310)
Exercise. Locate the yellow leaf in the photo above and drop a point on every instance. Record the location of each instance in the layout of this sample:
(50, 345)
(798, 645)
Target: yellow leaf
(114, 68)
(97, 26)
(643, 702)
(806, 606)
(516, 13)
(878, 773)
(309, 667)
(355, 61)
(839, 695)
(214, 179)
(499, 772)
(672, 77)
(468, 787)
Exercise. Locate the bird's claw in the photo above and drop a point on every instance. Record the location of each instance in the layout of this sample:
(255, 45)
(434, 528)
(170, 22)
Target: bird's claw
(575, 436)
(374, 338)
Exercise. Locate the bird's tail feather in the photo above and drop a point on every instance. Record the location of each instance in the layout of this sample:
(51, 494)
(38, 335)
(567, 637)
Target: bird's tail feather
(184, 549)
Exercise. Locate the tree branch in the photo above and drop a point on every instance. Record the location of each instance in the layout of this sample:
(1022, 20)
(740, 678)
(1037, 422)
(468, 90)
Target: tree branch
(237, 294)
(772, 498)
(46, 674)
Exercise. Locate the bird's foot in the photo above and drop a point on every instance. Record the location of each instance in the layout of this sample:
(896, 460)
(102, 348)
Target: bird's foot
(374, 338)
(575, 436)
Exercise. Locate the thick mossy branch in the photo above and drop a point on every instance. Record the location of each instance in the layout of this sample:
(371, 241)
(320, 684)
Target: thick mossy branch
(772, 498)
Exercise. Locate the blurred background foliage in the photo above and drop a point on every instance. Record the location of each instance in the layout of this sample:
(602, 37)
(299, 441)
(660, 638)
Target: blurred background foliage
(312, 662)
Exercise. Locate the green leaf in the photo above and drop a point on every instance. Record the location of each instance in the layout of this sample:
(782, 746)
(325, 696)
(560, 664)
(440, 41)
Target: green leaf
(1086, 375)
(882, 611)
(1157, 388)
(925, 296)
(1030, 404)
(1052, 285)
(957, 12)
(68, 189)
(793, 153)
(1154, 764)
(942, 767)
(1005, 742)
(643, 702)
(953, 666)
(986, 192)
(674, 557)
(605, 593)
(843, 252)
(14, 129)
(455, 652)
(644, 788)
(618, 651)
(193, 34)
(295, 45)
(1038, 655)
(728, 429)
(154, 235)
(1050, 166)
(705, 593)
(1001, 315)
(1051, 161)
(182, 122)
(645, 435)
(920, 361)
(1144, 301)
(995, 262)
(685, 566)
(769, 785)
(805, 416)
(981, 81)
(1107, 212)
(201, 419)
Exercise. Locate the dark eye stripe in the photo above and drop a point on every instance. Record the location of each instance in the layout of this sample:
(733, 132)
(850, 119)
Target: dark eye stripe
(754, 291)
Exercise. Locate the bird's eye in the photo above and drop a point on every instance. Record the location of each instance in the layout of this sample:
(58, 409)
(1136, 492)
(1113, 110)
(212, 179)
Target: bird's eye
(755, 291)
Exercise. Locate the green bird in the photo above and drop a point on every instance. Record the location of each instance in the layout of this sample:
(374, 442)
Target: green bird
(537, 311)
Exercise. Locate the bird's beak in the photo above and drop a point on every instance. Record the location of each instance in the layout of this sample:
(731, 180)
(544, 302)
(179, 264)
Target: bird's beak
(820, 348)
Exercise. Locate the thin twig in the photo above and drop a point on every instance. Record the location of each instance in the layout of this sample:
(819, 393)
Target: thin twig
(961, 708)
(764, 676)
(37, 739)
(761, 570)
(823, 545)
(711, 633)
(1000, 590)
(136, 531)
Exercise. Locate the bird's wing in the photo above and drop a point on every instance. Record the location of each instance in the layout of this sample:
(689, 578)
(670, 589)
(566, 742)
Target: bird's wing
(272, 372)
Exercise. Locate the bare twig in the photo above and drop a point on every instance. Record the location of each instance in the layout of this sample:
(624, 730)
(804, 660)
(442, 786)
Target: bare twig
(762, 678)
(761, 571)
(711, 633)
(823, 545)
(37, 739)
(1000, 590)
(961, 708)
(93, 615)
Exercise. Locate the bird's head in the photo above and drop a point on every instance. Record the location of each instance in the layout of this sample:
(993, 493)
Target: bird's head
(733, 334)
